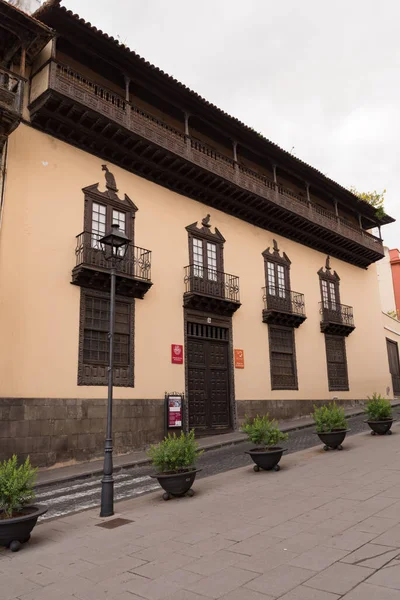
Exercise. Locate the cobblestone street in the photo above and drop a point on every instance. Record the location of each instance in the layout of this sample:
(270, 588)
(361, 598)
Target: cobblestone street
(326, 527)
(77, 495)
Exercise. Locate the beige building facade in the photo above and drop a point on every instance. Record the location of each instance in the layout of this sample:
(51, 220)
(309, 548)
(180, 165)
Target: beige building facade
(86, 154)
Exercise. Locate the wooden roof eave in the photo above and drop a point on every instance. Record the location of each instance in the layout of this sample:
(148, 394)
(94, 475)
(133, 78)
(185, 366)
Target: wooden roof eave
(129, 63)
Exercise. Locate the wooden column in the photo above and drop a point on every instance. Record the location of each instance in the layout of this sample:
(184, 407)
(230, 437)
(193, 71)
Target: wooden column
(54, 48)
(308, 191)
(187, 116)
(23, 62)
(187, 133)
(380, 233)
(360, 221)
(127, 84)
(336, 207)
(274, 172)
(234, 150)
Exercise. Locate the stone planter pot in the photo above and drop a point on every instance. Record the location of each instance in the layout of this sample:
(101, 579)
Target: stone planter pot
(381, 427)
(333, 439)
(266, 459)
(17, 531)
(176, 484)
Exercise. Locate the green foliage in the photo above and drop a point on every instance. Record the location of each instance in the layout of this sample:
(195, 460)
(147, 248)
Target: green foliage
(374, 198)
(175, 453)
(393, 314)
(263, 431)
(329, 417)
(378, 408)
(16, 485)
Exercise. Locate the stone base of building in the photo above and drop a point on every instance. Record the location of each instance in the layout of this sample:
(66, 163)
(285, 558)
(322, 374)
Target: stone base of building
(285, 409)
(60, 430)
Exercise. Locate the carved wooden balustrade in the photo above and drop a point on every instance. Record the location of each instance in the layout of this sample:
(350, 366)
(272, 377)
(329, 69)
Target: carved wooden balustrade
(11, 94)
(211, 290)
(337, 319)
(108, 103)
(92, 269)
(283, 307)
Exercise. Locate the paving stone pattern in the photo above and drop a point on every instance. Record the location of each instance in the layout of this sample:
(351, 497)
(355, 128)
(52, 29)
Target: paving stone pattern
(74, 496)
(326, 527)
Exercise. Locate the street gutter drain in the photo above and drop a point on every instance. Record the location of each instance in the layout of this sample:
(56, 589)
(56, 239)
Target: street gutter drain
(114, 523)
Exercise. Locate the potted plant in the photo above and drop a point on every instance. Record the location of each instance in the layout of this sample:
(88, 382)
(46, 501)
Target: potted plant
(265, 433)
(379, 413)
(331, 425)
(174, 458)
(17, 516)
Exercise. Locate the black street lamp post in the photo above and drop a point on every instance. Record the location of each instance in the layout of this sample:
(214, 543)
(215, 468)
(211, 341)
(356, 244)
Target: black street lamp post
(114, 246)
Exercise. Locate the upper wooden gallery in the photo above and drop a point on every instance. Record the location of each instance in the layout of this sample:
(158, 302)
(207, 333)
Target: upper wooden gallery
(93, 92)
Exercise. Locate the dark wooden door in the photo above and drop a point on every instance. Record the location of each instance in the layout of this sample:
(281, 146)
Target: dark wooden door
(208, 380)
(394, 365)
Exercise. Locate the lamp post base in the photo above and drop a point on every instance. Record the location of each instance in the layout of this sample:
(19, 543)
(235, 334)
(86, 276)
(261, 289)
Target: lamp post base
(107, 498)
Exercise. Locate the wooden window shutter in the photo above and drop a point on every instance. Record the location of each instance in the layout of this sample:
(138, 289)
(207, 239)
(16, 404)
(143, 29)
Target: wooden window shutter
(282, 358)
(336, 363)
(94, 343)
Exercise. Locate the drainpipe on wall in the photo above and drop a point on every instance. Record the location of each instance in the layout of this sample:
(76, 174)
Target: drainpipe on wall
(3, 161)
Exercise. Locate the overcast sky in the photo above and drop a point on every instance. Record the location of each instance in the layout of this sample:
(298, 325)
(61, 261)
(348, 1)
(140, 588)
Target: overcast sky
(319, 78)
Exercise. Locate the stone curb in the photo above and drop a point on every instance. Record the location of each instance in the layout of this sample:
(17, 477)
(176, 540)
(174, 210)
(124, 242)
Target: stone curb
(91, 472)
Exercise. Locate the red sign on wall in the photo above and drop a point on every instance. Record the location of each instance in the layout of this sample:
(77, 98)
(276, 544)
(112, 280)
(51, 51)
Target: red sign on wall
(176, 354)
(239, 359)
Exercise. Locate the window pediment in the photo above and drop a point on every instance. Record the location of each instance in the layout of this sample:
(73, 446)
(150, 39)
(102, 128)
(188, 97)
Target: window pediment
(205, 231)
(109, 197)
(275, 256)
(326, 272)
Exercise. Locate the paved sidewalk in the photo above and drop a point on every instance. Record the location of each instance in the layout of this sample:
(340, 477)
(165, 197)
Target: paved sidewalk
(327, 526)
(62, 474)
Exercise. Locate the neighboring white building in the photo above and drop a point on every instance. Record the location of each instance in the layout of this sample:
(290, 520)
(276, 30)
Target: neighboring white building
(385, 279)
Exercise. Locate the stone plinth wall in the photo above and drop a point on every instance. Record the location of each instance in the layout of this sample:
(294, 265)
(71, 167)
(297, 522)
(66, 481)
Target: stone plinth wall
(285, 409)
(58, 430)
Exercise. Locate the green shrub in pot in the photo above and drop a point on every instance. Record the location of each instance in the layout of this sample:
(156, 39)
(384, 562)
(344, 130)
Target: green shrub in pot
(263, 431)
(329, 417)
(175, 454)
(378, 408)
(16, 486)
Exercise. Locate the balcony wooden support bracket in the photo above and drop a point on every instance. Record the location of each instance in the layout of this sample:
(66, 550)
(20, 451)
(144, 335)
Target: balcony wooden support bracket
(274, 317)
(210, 304)
(95, 279)
(336, 328)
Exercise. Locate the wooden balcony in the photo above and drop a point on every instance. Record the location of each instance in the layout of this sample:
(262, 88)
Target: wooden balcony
(283, 307)
(336, 319)
(11, 93)
(211, 291)
(93, 271)
(67, 105)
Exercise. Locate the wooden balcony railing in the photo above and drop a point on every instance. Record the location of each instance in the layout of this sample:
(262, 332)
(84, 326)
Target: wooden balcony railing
(209, 282)
(283, 300)
(283, 307)
(108, 103)
(11, 91)
(333, 312)
(135, 264)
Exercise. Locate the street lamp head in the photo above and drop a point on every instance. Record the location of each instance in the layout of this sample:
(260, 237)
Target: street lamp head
(115, 243)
